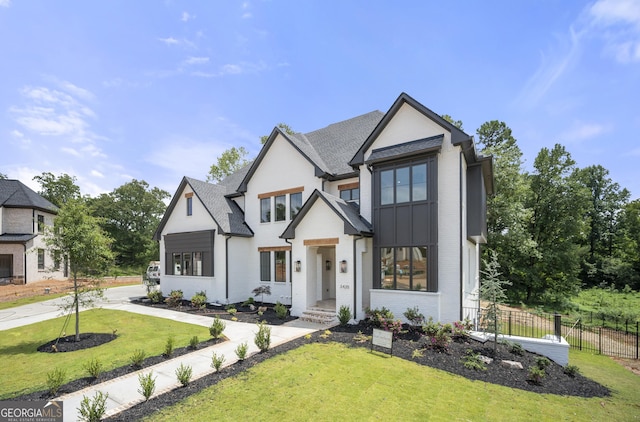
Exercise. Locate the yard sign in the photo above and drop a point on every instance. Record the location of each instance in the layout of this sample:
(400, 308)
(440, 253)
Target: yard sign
(383, 339)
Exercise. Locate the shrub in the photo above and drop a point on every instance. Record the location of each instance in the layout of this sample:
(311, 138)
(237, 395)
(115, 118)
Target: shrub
(344, 315)
(155, 296)
(571, 370)
(94, 368)
(542, 362)
(394, 326)
(249, 301)
(430, 327)
(516, 349)
(261, 291)
(199, 300)
(231, 309)
(460, 329)
(361, 338)
(472, 360)
(92, 410)
(183, 373)
(376, 316)
(55, 379)
(281, 310)
(536, 375)
(417, 353)
(175, 298)
(263, 337)
(241, 350)
(217, 361)
(169, 346)
(193, 342)
(414, 316)
(217, 327)
(147, 385)
(439, 335)
(137, 358)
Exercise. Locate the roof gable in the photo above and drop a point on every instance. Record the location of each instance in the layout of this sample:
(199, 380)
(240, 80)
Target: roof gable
(354, 224)
(224, 211)
(15, 194)
(457, 136)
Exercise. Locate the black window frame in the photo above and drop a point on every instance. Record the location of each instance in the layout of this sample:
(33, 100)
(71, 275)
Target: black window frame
(293, 211)
(265, 213)
(280, 207)
(280, 273)
(265, 266)
(189, 206)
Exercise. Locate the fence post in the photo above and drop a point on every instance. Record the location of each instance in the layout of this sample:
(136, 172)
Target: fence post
(599, 340)
(510, 324)
(557, 322)
(637, 332)
(580, 331)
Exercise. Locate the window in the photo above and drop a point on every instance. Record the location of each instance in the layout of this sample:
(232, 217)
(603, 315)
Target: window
(197, 263)
(41, 259)
(40, 224)
(186, 263)
(280, 259)
(404, 268)
(189, 254)
(295, 204)
(281, 207)
(265, 210)
(351, 195)
(189, 206)
(403, 184)
(265, 266)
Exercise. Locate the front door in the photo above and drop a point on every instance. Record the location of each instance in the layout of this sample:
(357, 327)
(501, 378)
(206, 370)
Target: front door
(6, 266)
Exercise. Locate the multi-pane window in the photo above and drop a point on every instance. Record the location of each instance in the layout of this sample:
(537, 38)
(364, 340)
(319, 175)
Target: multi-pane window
(351, 195)
(404, 268)
(40, 224)
(186, 263)
(265, 266)
(403, 184)
(295, 203)
(265, 210)
(280, 260)
(41, 259)
(281, 207)
(189, 206)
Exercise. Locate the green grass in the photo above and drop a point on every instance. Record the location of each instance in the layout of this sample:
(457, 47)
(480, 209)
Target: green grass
(592, 304)
(27, 368)
(335, 382)
(30, 300)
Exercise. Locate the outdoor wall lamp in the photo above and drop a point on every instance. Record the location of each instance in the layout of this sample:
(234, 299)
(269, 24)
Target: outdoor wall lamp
(327, 265)
(297, 266)
(343, 266)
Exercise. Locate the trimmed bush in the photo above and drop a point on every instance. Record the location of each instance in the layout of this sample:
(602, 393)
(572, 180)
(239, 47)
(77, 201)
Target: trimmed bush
(137, 358)
(169, 346)
(217, 361)
(263, 337)
(193, 342)
(147, 385)
(217, 327)
(55, 380)
(155, 296)
(241, 350)
(175, 298)
(92, 410)
(94, 368)
(281, 310)
(183, 373)
(344, 315)
(199, 300)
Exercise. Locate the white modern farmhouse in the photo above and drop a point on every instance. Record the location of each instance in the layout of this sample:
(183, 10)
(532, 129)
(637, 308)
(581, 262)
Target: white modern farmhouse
(384, 209)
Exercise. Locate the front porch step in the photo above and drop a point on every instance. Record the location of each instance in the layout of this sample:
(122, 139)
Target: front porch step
(319, 316)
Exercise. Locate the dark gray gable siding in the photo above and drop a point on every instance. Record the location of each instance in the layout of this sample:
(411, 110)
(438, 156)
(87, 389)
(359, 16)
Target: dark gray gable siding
(407, 149)
(15, 194)
(201, 241)
(476, 205)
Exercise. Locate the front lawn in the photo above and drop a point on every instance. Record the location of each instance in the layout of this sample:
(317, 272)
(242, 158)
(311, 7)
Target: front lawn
(26, 369)
(334, 382)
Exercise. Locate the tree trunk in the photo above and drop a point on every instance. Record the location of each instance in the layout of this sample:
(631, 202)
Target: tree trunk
(77, 304)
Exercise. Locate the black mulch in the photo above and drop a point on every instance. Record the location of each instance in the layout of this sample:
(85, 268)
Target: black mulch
(555, 380)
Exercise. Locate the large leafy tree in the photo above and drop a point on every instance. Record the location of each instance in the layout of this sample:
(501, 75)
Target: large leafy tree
(58, 190)
(78, 241)
(606, 200)
(130, 214)
(557, 202)
(628, 245)
(229, 162)
(507, 215)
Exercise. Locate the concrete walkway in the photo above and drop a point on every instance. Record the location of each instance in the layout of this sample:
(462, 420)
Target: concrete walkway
(123, 391)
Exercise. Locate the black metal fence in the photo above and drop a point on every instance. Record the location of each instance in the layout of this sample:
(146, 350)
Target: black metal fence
(620, 339)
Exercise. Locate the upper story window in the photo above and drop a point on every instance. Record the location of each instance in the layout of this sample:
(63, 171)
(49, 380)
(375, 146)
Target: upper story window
(403, 184)
(350, 192)
(189, 197)
(40, 223)
(281, 207)
(280, 202)
(295, 203)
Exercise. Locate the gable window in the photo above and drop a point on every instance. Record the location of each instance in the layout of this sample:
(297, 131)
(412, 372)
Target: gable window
(265, 266)
(40, 224)
(281, 207)
(265, 210)
(190, 205)
(405, 217)
(295, 203)
(280, 261)
(41, 259)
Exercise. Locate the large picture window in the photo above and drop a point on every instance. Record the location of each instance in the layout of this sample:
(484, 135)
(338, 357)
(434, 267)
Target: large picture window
(404, 268)
(403, 184)
(189, 254)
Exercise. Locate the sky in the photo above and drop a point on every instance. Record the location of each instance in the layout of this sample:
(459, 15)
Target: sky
(111, 91)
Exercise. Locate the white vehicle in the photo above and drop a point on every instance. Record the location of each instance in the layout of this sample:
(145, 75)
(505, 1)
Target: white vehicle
(153, 272)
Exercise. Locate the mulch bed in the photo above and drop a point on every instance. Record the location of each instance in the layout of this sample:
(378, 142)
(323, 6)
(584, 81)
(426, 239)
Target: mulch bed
(555, 380)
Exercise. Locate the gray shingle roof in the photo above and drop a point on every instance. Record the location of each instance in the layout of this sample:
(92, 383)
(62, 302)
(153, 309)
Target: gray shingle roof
(405, 149)
(226, 213)
(15, 194)
(16, 238)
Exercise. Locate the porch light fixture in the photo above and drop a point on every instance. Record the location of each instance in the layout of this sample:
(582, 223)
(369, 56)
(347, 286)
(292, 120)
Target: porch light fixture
(343, 266)
(327, 265)
(297, 266)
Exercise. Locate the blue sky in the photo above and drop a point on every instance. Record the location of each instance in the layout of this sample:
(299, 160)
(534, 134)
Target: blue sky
(155, 90)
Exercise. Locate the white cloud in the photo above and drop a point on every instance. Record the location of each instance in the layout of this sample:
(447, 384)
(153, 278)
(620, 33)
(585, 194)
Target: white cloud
(96, 173)
(618, 23)
(196, 60)
(169, 41)
(70, 151)
(581, 131)
(5, 3)
(186, 17)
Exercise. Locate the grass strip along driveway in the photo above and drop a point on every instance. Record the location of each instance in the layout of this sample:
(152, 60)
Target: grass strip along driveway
(26, 369)
(334, 382)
